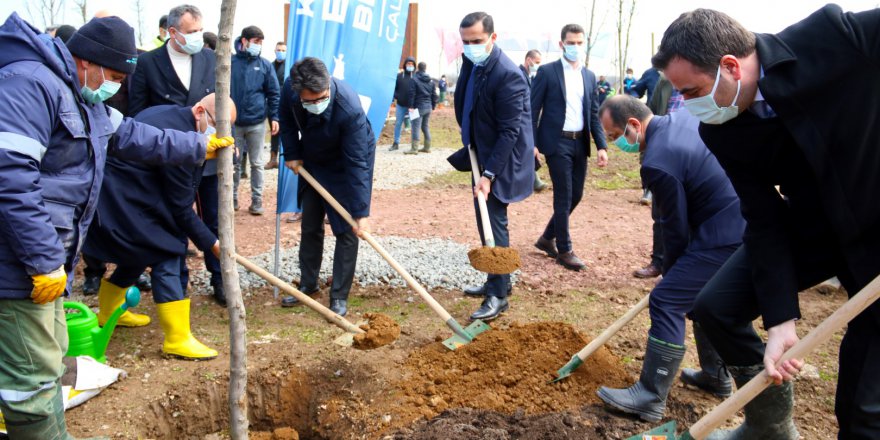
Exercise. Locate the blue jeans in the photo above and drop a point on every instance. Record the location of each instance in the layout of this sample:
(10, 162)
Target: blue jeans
(496, 285)
(165, 277)
(568, 171)
(402, 114)
(249, 138)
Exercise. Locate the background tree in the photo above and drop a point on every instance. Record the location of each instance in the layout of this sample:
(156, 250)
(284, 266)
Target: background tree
(80, 6)
(46, 12)
(138, 6)
(624, 25)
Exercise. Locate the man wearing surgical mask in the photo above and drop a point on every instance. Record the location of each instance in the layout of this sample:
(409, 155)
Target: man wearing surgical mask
(564, 106)
(701, 223)
(802, 153)
(324, 129)
(492, 108)
(182, 73)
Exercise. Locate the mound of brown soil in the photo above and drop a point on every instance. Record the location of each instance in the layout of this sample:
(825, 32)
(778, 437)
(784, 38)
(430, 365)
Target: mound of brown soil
(380, 331)
(278, 434)
(496, 260)
(505, 370)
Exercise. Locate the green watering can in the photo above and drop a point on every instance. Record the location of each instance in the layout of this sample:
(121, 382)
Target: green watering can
(84, 334)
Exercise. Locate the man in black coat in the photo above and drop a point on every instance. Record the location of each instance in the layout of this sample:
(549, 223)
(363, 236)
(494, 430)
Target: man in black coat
(774, 115)
(181, 72)
(401, 98)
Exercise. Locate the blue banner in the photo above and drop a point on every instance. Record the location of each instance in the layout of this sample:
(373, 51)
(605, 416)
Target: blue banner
(360, 41)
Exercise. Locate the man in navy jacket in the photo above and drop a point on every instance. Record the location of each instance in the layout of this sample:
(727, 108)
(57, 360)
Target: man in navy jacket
(702, 226)
(325, 130)
(55, 135)
(564, 106)
(492, 108)
(145, 216)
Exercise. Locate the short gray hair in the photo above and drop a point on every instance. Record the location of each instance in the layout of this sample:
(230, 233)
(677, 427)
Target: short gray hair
(178, 12)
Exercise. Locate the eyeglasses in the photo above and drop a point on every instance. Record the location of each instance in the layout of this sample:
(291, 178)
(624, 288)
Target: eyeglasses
(211, 118)
(316, 101)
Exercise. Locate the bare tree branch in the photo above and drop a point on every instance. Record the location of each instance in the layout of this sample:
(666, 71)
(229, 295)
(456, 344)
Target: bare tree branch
(623, 38)
(80, 7)
(138, 7)
(46, 10)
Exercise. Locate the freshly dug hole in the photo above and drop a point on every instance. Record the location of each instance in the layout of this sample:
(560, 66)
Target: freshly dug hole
(380, 331)
(494, 260)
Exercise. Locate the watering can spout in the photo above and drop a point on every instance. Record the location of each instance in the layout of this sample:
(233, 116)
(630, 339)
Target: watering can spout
(102, 337)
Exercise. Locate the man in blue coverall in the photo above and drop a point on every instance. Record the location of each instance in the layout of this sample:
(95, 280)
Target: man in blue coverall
(702, 226)
(55, 134)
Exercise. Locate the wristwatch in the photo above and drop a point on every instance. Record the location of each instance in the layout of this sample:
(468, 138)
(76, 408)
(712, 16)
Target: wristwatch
(489, 176)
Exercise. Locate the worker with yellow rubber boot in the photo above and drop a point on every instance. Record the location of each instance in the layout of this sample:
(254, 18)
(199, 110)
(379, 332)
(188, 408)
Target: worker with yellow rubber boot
(146, 216)
(55, 136)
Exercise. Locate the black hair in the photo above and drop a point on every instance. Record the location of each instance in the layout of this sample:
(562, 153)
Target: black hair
(252, 32)
(533, 53)
(622, 107)
(281, 43)
(570, 29)
(422, 66)
(472, 19)
(702, 37)
(310, 74)
(163, 21)
(64, 32)
(210, 40)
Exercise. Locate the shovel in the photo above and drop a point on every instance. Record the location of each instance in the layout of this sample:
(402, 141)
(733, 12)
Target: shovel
(350, 329)
(461, 335)
(600, 340)
(819, 335)
(489, 259)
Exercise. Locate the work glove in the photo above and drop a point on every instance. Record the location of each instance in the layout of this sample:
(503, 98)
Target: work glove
(48, 287)
(215, 143)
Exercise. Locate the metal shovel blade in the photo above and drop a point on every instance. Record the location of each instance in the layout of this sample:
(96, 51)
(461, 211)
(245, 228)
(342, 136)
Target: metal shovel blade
(462, 336)
(662, 432)
(567, 369)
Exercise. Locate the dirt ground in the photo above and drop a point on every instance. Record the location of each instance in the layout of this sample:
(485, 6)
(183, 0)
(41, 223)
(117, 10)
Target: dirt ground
(302, 385)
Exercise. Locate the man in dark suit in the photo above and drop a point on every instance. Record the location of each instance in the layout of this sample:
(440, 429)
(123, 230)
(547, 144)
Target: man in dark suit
(324, 129)
(775, 117)
(529, 68)
(181, 72)
(492, 108)
(564, 115)
(144, 218)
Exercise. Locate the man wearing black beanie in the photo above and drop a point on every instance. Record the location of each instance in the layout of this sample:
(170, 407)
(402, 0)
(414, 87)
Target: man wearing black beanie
(55, 135)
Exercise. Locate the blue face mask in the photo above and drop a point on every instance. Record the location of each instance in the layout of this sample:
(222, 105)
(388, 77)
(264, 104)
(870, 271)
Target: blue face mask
(410, 68)
(193, 43)
(104, 92)
(317, 108)
(624, 144)
(477, 53)
(254, 49)
(572, 52)
(280, 55)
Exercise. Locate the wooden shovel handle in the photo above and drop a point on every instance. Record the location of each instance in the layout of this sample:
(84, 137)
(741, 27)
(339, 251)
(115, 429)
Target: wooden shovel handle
(481, 200)
(305, 299)
(613, 329)
(438, 309)
(819, 335)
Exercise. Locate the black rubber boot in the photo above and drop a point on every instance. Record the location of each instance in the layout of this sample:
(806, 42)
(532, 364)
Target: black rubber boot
(768, 416)
(647, 398)
(713, 377)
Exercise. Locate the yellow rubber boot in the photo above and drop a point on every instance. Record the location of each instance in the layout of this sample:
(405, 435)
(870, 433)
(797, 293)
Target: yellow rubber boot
(179, 341)
(110, 297)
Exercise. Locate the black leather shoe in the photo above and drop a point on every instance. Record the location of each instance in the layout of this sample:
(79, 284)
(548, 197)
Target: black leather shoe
(480, 291)
(490, 309)
(144, 282)
(219, 295)
(339, 306)
(291, 301)
(570, 261)
(91, 285)
(547, 246)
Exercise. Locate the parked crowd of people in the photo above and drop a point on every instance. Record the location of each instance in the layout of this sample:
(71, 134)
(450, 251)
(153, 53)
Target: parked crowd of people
(759, 169)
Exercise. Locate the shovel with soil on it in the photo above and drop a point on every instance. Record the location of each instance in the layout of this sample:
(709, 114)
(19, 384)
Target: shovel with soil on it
(816, 337)
(378, 331)
(462, 335)
(488, 258)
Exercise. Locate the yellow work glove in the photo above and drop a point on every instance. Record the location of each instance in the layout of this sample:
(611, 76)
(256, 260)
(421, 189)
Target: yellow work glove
(48, 287)
(215, 143)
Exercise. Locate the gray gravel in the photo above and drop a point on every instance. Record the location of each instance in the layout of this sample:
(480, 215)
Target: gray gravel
(395, 170)
(434, 263)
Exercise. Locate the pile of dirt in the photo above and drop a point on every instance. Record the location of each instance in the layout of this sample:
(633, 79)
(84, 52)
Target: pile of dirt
(505, 371)
(380, 331)
(496, 260)
(278, 434)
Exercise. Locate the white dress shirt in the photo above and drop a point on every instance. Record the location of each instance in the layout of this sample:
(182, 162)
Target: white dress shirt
(574, 96)
(182, 65)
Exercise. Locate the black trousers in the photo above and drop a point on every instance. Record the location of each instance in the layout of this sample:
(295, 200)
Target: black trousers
(311, 248)
(568, 171)
(496, 285)
(727, 305)
(657, 244)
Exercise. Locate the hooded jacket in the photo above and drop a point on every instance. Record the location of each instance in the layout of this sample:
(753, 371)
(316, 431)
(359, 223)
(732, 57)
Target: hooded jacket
(422, 93)
(402, 86)
(255, 89)
(53, 146)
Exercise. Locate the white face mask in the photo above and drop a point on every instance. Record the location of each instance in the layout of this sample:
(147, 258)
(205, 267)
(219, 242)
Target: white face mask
(707, 110)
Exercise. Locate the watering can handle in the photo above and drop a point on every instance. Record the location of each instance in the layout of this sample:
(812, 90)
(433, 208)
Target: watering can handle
(78, 306)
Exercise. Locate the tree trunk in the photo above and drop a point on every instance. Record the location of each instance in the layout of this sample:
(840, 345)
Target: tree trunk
(591, 37)
(238, 419)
